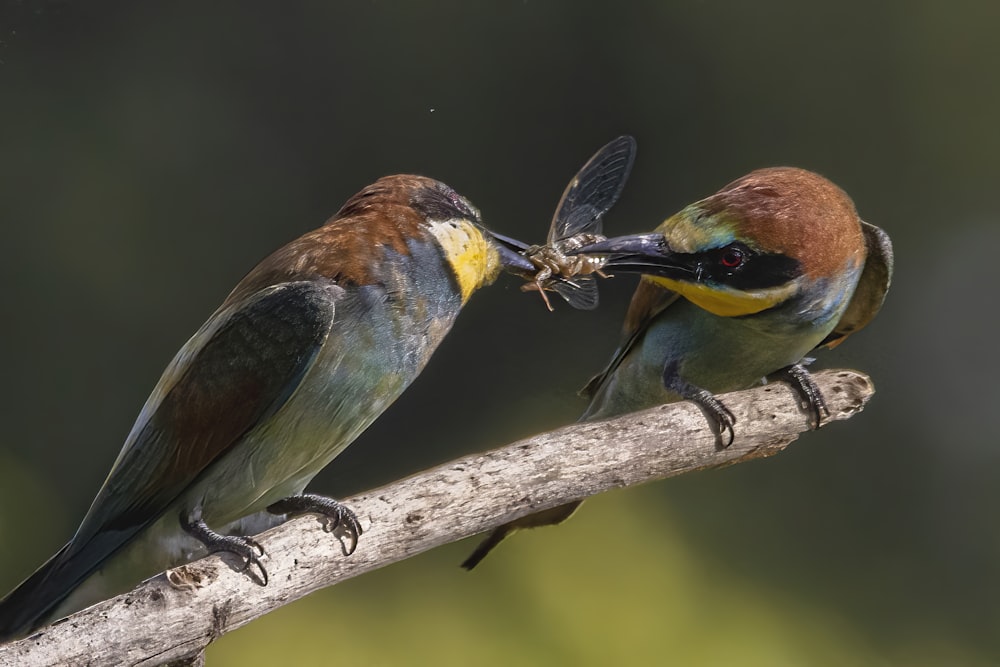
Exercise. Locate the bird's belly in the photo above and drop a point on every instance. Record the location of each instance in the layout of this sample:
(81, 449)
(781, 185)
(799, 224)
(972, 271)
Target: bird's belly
(720, 367)
(710, 352)
(280, 458)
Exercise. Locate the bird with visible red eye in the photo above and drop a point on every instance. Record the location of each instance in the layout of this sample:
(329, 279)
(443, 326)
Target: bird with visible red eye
(732, 258)
(737, 287)
(768, 268)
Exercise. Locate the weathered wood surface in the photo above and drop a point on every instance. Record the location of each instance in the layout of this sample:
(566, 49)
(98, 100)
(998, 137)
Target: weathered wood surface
(174, 616)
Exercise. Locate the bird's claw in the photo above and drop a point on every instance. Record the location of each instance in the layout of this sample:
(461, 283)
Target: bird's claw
(719, 416)
(811, 397)
(343, 518)
(245, 548)
(335, 515)
(724, 422)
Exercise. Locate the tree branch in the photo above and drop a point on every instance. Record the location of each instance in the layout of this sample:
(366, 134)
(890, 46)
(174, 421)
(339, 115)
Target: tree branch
(174, 616)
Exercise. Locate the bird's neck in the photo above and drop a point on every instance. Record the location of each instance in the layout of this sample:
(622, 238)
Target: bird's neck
(473, 259)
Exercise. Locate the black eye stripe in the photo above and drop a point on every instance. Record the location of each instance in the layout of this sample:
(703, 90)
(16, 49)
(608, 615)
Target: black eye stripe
(753, 270)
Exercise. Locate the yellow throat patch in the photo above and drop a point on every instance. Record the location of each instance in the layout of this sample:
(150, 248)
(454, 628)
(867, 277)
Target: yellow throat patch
(726, 302)
(474, 260)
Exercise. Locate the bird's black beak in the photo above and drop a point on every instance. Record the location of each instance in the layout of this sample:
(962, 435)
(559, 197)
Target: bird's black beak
(636, 253)
(635, 244)
(511, 256)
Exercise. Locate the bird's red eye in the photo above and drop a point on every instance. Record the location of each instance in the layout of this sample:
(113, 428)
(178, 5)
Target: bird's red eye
(731, 258)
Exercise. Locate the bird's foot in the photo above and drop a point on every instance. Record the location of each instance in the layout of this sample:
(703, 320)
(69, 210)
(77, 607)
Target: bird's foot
(336, 516)
(810, 395)
(246, 548)
(719, 416)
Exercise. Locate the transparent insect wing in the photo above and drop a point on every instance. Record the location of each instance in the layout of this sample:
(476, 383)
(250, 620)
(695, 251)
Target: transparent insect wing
(580, 292)
(594, 190)
(583, 219)
(591, 193)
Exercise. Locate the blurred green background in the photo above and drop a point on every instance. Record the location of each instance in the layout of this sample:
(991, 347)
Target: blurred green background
(151, 153)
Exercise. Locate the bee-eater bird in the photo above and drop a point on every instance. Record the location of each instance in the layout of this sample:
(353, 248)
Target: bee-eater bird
(736, 287)
(304, 354)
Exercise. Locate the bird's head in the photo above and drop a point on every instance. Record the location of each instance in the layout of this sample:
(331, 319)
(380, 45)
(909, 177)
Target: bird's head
(760, 241)
(476, 254)
(377, 230)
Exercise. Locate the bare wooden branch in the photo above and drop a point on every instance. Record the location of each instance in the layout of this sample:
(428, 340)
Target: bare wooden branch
(174, 616)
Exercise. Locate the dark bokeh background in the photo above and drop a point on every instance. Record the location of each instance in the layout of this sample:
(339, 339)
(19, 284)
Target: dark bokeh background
(151, 153)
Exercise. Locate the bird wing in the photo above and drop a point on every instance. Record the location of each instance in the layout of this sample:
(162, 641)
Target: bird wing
(871, 290)
(648, 301)
(239, 369)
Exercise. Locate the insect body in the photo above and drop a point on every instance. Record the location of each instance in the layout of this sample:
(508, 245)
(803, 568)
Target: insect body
(576, 223)
(565, 274)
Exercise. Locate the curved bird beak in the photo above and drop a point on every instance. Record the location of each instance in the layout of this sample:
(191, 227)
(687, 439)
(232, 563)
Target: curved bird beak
(652, 244)
(636, 253)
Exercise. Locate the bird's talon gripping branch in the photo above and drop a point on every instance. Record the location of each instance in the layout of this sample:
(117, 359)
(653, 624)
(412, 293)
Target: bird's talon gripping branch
(722, 418)
(812, 398)
(719, 416)
(335, 515)
(238, 545)
(732, 435)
